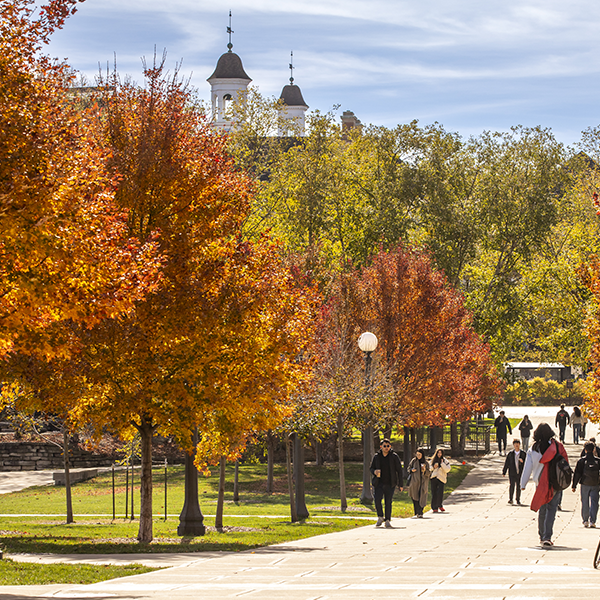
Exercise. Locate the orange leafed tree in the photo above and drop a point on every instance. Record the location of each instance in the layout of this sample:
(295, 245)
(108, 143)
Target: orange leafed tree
(218, 340)
(590, 275)
(65, 252)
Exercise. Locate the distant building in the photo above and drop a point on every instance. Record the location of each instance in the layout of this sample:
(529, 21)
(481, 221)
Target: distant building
(530, 370)
(230, 78)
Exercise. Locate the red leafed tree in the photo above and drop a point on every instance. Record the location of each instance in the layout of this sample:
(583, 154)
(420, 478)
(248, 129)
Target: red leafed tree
(440, 369)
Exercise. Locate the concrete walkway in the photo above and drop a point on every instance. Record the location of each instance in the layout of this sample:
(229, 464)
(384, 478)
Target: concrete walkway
(481, 547)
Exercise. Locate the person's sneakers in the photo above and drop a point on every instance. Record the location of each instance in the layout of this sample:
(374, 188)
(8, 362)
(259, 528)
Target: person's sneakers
(586, 524)
(442, 509)
(547, 543)
(593, 525)
(435, 510)
(388, 525)
(419, 516)
(510, 501)
(379, 522)
(519, 503)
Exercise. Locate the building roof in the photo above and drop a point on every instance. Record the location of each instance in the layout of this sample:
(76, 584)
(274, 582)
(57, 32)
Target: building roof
(292, 96)
(229, 66)
(533, 365)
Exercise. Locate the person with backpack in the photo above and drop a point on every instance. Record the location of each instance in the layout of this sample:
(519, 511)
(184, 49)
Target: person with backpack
(502, 425)
(562, 420)
(525, 428)
(587, 474)
(545, 463)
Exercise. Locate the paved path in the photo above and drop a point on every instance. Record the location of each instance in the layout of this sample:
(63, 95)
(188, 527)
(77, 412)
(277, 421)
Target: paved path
(480, 548)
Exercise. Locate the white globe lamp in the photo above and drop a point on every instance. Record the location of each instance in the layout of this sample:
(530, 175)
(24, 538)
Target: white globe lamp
(367, 341)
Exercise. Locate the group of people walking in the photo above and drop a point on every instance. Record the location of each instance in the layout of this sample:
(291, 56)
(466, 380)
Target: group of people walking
(386, 469)
(547, 463)
(542, 462)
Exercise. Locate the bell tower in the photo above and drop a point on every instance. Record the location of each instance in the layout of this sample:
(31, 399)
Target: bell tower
(227, 81)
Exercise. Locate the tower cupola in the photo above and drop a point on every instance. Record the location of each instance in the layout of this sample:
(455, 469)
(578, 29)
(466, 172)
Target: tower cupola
(227, 81)
(294, 108)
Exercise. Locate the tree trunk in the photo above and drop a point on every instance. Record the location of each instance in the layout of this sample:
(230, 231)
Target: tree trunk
(464, 430)
(288, 460)
(270, 461)
(340, 433)
(318, 453)
(221, 497)
(454, 446)
(366, 496)
(406, 450)
(236, 482)
(67, 476)
(146, 431)
(127, 488)
(301, 509)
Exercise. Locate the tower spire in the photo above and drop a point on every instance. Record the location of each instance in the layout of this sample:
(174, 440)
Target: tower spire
(229, 31)
(292, 67)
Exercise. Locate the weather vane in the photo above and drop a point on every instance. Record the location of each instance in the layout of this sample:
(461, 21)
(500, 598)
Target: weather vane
(292, 67)
(229, 31)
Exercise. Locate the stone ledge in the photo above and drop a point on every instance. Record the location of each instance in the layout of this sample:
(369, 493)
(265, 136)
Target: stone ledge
(76, 475)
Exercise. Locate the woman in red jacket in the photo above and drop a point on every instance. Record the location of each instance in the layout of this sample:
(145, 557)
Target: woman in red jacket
(546, 499)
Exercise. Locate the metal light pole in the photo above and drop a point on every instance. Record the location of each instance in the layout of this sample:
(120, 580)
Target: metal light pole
(367, 342)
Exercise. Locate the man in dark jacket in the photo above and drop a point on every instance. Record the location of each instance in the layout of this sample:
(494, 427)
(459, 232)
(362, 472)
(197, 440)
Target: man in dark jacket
(587, 474)
(561, 421)
(513, 464)
(386, 469)
(502, 425)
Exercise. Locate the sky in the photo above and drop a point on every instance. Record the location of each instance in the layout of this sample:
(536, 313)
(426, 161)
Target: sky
(470, 65)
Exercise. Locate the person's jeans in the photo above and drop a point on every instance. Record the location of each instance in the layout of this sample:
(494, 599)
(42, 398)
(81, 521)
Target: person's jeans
(546, 516)
(525, 443)
(561, 431)
(437, 493)
(589, 502)
(514, 484)
(576, 432)
(501, 442)
(381, 492)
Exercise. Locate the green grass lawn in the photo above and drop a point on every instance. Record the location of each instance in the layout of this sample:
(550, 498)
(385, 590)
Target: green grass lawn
(47, 532)
(15, 573)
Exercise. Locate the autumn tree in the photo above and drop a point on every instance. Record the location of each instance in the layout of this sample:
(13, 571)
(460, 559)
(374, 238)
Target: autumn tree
(65, 253)
(439, 367)
(228, 319)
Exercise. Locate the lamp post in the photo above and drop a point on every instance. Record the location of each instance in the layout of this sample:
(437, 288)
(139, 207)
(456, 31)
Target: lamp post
(191, 519)
(367, 342)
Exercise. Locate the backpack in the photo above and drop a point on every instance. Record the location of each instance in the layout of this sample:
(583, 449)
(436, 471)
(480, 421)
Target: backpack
(591, 471)
(560, 473)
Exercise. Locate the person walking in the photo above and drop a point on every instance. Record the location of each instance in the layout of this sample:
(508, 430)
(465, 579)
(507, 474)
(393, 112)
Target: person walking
(561, 421)
(419, 473)
(386, 469)
(576, 423)
(502, 425)
(440, 467)
(525, 427)
(587, 475)
(513, 465)
(546, 499)
(596, 449)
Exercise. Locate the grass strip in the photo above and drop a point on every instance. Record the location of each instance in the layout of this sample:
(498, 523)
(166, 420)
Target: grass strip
(247, 530)
(21, 573)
